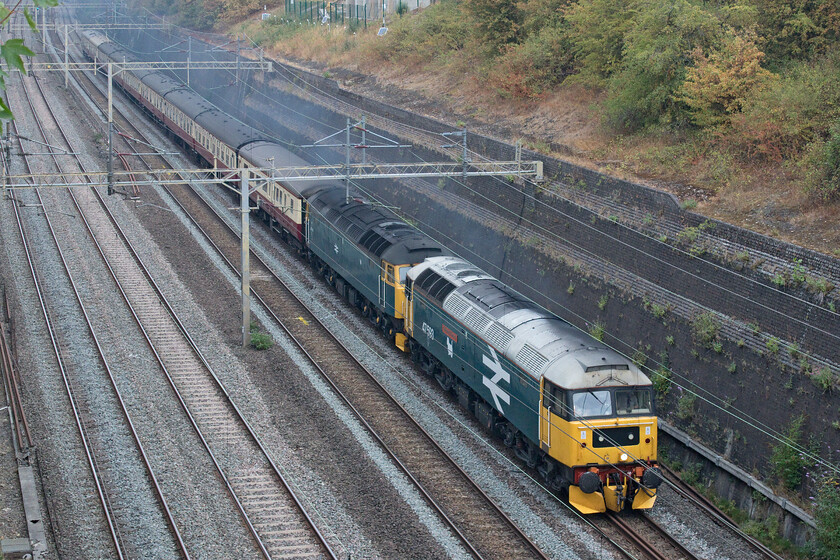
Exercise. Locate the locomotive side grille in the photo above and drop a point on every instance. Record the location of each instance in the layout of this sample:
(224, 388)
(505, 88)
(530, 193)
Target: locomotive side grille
(530, 359)
(456, 306)
(498, 336)
(614, 437)
(476, 321)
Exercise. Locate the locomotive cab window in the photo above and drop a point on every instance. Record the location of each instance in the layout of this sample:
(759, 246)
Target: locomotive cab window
(554, 398)
(633, 401)
(588, 404)
(389, 272)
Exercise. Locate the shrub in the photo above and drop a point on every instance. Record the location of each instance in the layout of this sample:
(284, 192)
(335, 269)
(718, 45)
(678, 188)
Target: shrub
(794, 113)
(689, 204)
(597, 331)
(819, 285)
(827, 516)
(685, 406)
(661, 380)
(787, 461)
(261, 341)
(706, 327)
(529, 69)
(772, 345)
(670, 340)
(571, 289)
(823, 379)
(717, 85)
(733, 367)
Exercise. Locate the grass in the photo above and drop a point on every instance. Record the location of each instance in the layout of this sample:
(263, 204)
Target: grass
(602, 303)
(597, 331)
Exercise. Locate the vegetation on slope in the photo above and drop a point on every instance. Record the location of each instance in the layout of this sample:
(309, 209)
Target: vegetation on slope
(722, 95)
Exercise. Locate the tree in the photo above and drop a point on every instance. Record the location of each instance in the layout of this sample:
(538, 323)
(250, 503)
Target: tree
(718, 84)
(497, 23)
(597, 30)
(657, 51)
(13, 50)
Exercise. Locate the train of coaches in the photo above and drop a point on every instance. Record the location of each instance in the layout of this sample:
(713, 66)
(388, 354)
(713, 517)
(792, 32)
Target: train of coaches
(578, 412)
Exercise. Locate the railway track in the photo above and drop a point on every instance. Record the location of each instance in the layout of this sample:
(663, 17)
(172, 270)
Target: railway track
(298, 321)
(273, 514)
(648, 538)
(482, 526)
(707, 507)
(87, 398)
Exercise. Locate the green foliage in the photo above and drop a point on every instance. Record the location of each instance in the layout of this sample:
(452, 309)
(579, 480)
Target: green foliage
(658, 311)
(772, 345)
(691, 473)
(689, 204)
(260, 340)
(597, 30)
(792, 114)
(827, 516)
(705, 328)
(670, 340)
(823, 379)
(797, 29)
(686, 406)
(602, 303)
(13, 50)
(496, 23)
(718, 84)
(656, 54)
(819, 285)
(402, 8)
(797, 273)
(639, 358)
(823, 165)
(787, 461)
(530, 68)
(732, 368)
(597, 331)
(432, 34)
(571, 289)
(661, 380)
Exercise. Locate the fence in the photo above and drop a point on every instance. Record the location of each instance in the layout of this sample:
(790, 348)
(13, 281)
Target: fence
(329, 12)
(341, 14)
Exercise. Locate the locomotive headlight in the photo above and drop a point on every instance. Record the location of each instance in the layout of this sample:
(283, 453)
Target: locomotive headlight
(623, 457)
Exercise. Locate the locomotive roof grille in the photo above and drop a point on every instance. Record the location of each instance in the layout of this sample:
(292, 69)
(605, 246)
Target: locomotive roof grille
(499, 336)
(607, 368)
(531, 359)
(374, 243)
(437, 287)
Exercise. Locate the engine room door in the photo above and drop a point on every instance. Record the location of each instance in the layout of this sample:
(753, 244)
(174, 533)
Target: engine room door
(545, 417)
